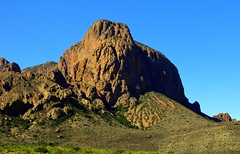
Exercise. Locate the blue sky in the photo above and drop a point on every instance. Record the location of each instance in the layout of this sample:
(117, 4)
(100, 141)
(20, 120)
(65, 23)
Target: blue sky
(201, 37)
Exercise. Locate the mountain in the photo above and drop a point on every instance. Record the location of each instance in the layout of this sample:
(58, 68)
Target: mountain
(110, 65)
(107, 91)
(106, 71)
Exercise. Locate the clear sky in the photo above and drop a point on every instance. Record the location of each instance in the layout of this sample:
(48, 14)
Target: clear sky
(201, 37)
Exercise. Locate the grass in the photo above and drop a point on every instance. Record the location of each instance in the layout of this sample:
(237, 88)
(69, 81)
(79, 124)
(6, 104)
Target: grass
(64, 150)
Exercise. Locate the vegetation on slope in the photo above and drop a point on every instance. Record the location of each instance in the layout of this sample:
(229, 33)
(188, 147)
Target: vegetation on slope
(178, 130)
(65, 150)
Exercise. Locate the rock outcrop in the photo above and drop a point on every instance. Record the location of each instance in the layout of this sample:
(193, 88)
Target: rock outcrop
(41, 69)
(5, 66)
(223, 117)
(108, 64)
(24, 94)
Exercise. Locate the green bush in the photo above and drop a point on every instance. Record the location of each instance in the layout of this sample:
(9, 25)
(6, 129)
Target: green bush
(41, 149)
(122, 120)
(17, 122)
(108, 117)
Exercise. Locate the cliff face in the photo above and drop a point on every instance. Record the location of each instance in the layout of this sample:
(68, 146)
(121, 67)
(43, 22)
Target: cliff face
(110, 64)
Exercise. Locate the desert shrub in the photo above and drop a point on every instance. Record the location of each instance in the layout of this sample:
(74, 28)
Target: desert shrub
(41, 149)
(17, 122)
(40, 123)
(107, 116)
(24, 123)
(122, 120)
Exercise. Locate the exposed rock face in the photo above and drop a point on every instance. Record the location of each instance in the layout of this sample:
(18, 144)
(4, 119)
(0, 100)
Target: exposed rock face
(24, 94)
(150, 111)
(108, 64)
(57, 77)
(5, 66)
(223, 117)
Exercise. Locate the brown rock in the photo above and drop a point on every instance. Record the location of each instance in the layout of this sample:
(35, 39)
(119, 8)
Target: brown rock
(41, 69)
(95, 105)
(3, 62)
(55, 113)
(67, 110)
(57, 77)
(223, 117)
(5, 66)
(113, 64)
(23, 94)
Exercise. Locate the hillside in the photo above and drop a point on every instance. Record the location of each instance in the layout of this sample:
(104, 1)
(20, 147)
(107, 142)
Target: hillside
(180, 130)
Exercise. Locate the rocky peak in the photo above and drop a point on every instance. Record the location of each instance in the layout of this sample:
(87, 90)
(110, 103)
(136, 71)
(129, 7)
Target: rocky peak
(103, 30)
(3, 62)
(108, 65)
(223, 117)
(5, 66)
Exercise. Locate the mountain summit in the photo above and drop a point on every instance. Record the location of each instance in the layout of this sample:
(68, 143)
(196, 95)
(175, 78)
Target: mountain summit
(109, 64)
